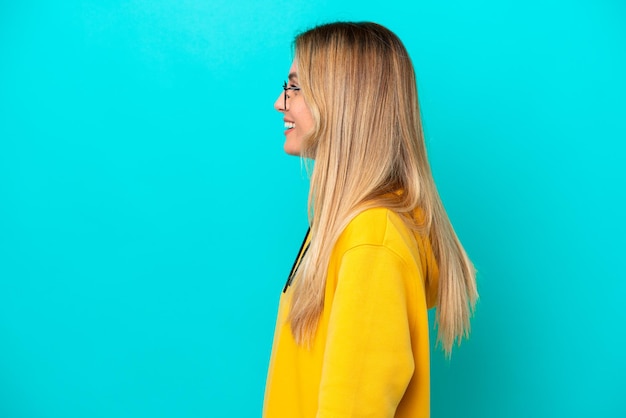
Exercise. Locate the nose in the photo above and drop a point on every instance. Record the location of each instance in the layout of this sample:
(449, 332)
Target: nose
(279, 104)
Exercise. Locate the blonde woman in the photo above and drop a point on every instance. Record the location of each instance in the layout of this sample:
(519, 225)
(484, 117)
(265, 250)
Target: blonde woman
(351, 338)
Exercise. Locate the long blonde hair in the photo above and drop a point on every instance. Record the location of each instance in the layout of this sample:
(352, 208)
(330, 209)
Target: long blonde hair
(359, 84)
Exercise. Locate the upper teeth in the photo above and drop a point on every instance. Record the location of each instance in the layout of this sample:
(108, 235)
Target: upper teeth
(290, 125)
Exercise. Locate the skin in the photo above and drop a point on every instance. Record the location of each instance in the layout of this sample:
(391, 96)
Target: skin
(297, 112)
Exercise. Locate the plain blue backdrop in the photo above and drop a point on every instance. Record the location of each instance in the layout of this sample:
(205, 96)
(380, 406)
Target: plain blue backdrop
(148, 215)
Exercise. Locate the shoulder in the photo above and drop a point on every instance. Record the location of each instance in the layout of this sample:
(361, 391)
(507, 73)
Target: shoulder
(376, 226)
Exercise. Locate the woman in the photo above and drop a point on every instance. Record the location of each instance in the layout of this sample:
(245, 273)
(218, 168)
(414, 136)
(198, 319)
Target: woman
(351, 337)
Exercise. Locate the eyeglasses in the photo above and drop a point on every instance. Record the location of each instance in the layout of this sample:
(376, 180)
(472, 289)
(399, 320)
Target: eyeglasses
(285, 88)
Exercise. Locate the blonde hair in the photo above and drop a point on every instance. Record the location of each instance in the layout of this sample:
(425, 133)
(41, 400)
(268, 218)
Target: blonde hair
(359, 84)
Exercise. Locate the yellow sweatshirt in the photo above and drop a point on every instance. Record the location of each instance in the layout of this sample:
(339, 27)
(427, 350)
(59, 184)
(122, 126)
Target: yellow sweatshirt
(370, 354)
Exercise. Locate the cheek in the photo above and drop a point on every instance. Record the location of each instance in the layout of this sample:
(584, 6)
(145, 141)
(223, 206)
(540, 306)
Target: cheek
(306, 122)
(309, 126)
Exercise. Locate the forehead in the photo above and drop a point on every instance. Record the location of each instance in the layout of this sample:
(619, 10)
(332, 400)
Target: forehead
(293, 71)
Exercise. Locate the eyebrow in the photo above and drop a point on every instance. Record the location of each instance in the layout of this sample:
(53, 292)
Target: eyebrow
(293, 76)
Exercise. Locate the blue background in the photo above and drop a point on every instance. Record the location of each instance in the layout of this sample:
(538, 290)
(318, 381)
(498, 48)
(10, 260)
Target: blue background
(148, 215)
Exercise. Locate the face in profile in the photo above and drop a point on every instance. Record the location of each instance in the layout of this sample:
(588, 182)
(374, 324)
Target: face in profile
(297, 116)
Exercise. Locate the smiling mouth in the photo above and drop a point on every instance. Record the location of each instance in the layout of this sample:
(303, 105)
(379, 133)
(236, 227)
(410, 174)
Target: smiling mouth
(289, 125)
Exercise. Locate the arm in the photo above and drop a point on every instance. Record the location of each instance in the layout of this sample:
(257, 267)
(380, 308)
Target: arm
(368, 361)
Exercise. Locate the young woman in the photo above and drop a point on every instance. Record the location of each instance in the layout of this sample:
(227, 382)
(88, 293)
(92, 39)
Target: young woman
(351, 337)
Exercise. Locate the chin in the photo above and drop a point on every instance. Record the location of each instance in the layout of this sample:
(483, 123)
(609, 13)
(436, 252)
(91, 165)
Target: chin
(292, 148)
(292, 152)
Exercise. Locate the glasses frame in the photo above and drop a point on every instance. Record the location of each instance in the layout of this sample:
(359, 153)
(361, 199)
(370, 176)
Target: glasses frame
(286, 96)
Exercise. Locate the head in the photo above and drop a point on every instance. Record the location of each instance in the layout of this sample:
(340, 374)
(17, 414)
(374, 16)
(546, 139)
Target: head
(356, 93)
